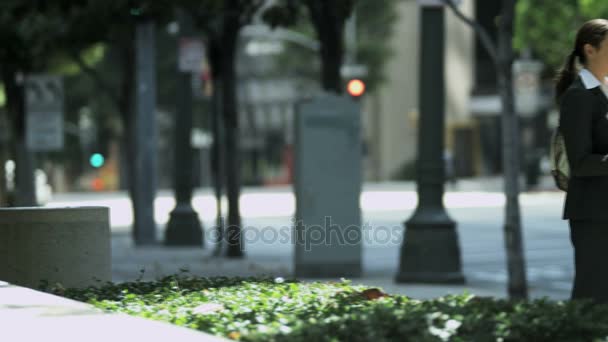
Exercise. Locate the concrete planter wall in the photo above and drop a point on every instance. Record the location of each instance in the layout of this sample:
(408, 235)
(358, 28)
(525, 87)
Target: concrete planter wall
(70, 246)
(28, 315)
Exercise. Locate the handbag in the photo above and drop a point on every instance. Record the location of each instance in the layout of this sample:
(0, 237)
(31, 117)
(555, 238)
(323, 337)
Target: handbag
(560, 168)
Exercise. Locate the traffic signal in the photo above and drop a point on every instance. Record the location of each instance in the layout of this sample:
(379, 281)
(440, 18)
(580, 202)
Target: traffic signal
(355, 87)
(97, 184)
(97, 160)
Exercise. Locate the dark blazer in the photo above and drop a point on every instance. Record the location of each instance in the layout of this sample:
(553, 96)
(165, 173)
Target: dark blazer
(584, 124)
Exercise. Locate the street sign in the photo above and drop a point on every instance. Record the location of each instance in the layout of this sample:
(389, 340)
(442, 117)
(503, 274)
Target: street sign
(353, 70)
(526, 86)
(191, 54)
(44, 112)
(437, 3)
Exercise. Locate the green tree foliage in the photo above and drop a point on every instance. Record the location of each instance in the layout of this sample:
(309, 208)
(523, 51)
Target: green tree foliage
(43, 36)
(29, 32)
(328, 20)
(34, 31)
(548, 27)
(375, 22)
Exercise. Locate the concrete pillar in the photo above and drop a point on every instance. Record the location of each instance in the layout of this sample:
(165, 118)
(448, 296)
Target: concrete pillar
(70, 246)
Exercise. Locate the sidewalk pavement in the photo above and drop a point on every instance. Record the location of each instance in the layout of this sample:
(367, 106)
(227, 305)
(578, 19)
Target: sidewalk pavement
(57, 317)
(129, 262)
(277, 261)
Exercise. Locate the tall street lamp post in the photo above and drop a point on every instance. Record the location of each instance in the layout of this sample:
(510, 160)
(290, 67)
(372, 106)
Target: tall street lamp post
(430, 252)
(184, 227)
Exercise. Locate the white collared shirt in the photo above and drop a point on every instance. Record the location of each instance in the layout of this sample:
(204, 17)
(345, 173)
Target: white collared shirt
(590, 81)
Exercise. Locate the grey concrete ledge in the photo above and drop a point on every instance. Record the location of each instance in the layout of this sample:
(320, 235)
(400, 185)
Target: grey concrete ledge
(29, 315)
(53, 215)
(69, 245)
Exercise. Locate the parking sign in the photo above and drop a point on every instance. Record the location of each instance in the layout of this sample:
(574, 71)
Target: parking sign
(44, 112)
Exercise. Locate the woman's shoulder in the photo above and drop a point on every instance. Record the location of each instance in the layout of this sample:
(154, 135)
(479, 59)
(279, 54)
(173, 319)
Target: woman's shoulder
(576, 91)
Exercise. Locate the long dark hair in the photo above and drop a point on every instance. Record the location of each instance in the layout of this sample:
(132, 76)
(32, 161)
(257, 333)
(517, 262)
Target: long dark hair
(592, 32)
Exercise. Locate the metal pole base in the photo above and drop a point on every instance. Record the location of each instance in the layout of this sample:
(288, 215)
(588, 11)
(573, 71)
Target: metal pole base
(234, 242)
(234, 252)
(430, 253)
(184, 228)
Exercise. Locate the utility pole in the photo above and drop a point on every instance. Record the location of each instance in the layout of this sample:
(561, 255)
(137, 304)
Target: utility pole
(430, 252)
(25, 186)
(25, 183)
(144, 225)
(184, 227)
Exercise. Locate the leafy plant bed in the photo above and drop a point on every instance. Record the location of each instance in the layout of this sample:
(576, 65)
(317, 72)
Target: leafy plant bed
(267, 309)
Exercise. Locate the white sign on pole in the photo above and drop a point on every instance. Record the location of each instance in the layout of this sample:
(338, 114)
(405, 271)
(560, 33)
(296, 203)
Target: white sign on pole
(191, 54)
(44, 113)
(437, 3)
(526, 86)
(353, 70)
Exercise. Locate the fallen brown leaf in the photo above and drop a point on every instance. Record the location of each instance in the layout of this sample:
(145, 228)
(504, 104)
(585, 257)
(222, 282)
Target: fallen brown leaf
(235, 335)
(372, 294)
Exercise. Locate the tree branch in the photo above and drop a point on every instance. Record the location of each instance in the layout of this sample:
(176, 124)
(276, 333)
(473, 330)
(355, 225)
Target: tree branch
(480, 31)
(247, 10)
(76, 57)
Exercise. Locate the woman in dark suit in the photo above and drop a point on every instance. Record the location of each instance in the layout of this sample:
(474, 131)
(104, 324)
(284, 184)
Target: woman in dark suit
(582, 97)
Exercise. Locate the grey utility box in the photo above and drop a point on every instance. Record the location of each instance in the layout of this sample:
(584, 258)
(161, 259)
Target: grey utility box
(327, 232)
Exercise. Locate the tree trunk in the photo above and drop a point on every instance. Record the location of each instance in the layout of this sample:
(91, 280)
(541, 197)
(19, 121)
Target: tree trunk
(331, 55)
(330, 30)
(217, 162)
(214, 56)
(231, 131)
(512, 230)
(4, 201)
(25, 188)
(502, 56)
(126, 104)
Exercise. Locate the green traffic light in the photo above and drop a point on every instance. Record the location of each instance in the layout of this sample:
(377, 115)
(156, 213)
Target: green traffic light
(96, 160)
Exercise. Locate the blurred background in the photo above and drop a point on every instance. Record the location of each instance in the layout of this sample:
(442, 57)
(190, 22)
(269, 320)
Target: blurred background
(166, 111)
(275, 69)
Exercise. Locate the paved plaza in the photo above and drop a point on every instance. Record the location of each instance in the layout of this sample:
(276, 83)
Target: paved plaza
(476, 205)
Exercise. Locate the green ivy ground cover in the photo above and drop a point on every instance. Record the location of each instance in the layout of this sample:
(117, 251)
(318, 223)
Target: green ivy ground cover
(267, 309)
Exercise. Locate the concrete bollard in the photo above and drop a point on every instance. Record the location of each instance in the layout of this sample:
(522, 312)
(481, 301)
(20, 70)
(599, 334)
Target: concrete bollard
(70, 246)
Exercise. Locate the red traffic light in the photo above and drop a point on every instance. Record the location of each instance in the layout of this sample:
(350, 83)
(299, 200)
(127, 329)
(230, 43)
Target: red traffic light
(355, 87)
(97, 184)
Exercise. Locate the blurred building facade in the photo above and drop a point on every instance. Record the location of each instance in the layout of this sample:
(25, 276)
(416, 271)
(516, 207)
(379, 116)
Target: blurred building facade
(391, 113)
